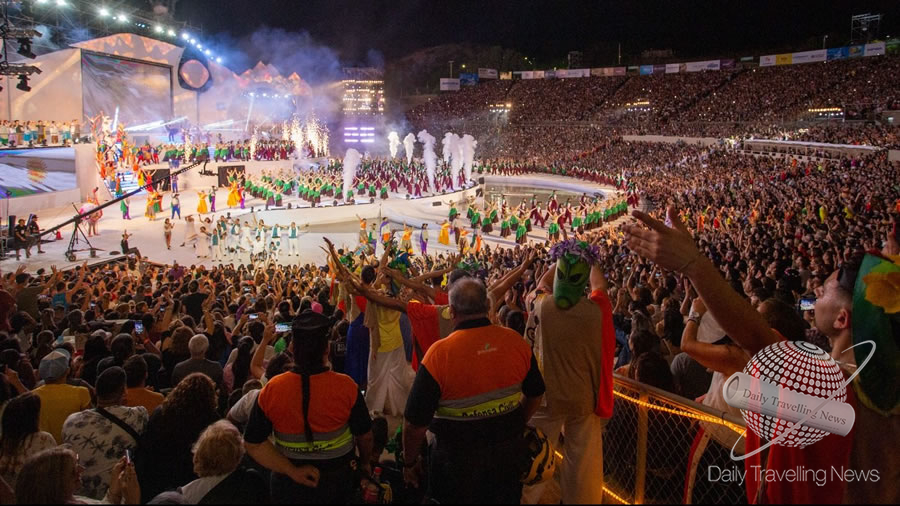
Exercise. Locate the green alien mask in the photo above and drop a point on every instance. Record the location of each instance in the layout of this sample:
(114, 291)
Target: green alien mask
(571, 277)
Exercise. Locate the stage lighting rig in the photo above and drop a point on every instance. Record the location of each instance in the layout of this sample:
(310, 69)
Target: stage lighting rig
(23, 83)
(18, 69)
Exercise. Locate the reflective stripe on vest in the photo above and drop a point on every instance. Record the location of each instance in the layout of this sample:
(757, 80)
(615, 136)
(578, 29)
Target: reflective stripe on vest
(481, 406)
(327, 445)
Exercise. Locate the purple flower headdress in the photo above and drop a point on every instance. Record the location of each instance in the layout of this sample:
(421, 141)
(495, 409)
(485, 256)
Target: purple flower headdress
(573, 251)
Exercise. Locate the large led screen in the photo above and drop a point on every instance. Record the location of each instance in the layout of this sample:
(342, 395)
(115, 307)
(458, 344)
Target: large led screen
(141, 92)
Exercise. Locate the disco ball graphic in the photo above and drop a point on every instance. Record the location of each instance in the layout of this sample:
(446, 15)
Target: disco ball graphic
(799, 367)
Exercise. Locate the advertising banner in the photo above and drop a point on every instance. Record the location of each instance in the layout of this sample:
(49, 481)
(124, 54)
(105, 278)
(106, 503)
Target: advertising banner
(856, 51)
(538, 74)
(646, 70)
(581, 72)
(506, 75)
(838, 53)
(487, 73)
(449, 84)
(767, 60)
(809, 56)
(597, 72)
(874, 49)
(659, 69)
(527, 74)
(783, 59)
(468, 79)
(672, 68)
(697, 66)
(727, 64)
(618, 71)
(549, 74)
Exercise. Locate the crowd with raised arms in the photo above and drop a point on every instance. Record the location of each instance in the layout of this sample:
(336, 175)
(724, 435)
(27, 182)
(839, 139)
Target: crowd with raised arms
(135, 365)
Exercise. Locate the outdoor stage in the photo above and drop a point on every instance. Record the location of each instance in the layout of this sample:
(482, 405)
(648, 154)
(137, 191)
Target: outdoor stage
(340, 224)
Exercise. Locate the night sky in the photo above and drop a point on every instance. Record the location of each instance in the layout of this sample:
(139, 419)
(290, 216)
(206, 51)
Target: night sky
(546, 30)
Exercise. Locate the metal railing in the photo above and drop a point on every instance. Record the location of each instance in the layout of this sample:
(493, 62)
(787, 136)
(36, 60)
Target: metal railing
(654, 450)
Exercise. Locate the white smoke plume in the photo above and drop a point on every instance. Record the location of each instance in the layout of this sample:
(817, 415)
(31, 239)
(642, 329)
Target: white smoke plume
(468, 145)
(456, 158)
(428, 141)
(446, 143)
(351, 162)
(394, 141)
(409, 144)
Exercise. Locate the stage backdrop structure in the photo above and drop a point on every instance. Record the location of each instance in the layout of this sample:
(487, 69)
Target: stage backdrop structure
(200, 90)
(147, 81)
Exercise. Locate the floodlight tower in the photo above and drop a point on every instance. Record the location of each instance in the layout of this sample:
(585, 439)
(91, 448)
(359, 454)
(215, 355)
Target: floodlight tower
(864, 27)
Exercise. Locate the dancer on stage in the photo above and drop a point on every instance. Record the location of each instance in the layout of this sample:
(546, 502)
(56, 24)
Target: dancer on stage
(167, 232)
(201, 203)
(212, 199)
(124, 205)
(363, 231)
(202, 244)
(423, 239)
(234, 195)
(190, 230)
(444, 234)
(150, 211)
(176, 206)
(294, 240)
(406, 239)
(453, 211)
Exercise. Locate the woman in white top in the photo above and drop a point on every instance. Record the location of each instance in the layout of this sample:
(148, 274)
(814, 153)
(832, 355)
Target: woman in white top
(21, 437)
(190, 230)
(203, 243)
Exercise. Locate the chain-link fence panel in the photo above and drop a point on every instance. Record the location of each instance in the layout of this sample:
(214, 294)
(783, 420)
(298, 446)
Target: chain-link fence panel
(661, 448)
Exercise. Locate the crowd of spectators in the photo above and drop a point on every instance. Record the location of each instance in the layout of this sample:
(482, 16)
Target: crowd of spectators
(774, 102)
(130, 357)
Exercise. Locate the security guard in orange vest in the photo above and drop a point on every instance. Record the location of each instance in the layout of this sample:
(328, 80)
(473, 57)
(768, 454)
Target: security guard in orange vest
(306, 423)
(474, 391)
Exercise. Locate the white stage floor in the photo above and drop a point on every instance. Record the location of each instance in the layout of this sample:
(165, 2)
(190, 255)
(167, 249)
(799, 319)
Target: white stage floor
(337, 223)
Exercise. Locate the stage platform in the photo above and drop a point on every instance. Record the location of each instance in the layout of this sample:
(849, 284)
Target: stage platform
(338, 223)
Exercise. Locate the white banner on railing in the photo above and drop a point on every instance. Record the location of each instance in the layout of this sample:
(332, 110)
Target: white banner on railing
(487, 73)
(527, 74)
(875, 49)
(574, 73)
(449, 84)
(538, 74)
(697, 66)
(767, 60)
(809, 56)
(672, 68)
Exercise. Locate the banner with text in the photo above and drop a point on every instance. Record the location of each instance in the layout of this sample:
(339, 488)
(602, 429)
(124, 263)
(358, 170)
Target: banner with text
(487, 73)
(857, 51)
(875, 49)
(506, 75)
(673, 68)
(449, 84)
(809, 56)
(468, 79)
(838, 53)
(783, 59)
(646, 70)
(767, 60)
(697, 66)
